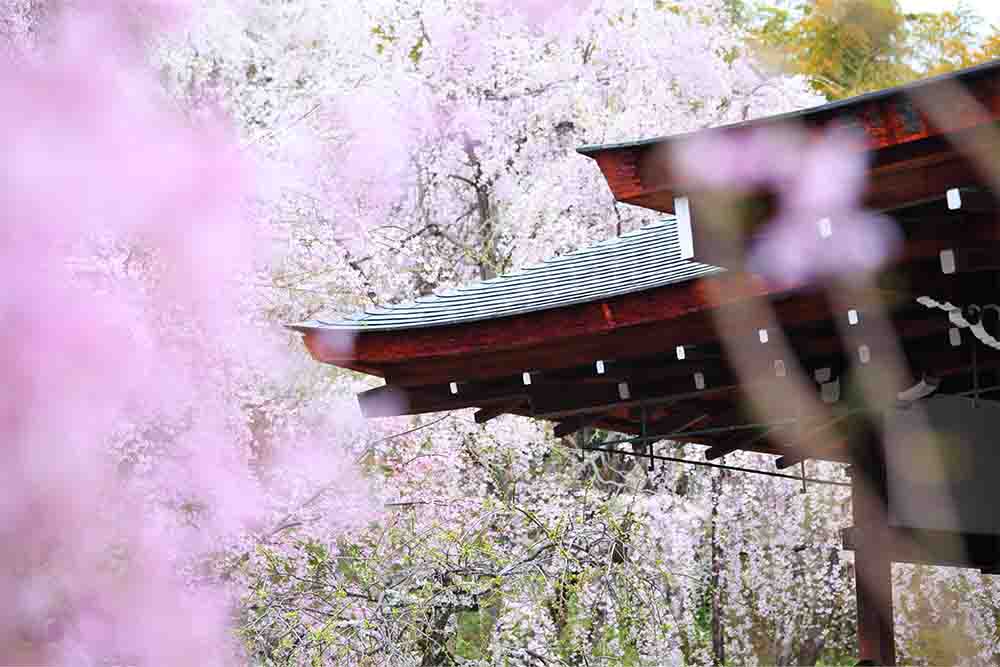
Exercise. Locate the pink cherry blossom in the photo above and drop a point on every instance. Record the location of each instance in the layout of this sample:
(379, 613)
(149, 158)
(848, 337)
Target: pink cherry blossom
(821, 229)
(176, 468)
(126, 462)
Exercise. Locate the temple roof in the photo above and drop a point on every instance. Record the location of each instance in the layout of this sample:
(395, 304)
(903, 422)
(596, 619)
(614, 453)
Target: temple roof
(645, 335)
(625, 334)
(900, 137)
(640, 260)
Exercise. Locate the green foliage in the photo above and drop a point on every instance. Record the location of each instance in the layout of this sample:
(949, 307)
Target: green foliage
(417, 50)
(384, 38)
(850, 47)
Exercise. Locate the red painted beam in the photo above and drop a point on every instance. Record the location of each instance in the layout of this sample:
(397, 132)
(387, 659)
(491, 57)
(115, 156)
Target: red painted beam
(646, 324)
(520, 331)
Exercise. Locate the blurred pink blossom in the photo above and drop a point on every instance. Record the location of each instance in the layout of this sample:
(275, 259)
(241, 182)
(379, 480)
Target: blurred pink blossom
(125, 235)
(821, 229)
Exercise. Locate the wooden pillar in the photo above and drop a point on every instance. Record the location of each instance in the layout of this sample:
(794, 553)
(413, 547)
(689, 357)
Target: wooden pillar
(872, 563)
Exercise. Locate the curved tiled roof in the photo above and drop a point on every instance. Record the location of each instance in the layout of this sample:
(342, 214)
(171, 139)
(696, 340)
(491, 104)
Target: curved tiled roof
(644, 259)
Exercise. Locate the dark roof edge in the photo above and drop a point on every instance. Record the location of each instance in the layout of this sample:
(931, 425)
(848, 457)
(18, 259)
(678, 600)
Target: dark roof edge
(968, 73)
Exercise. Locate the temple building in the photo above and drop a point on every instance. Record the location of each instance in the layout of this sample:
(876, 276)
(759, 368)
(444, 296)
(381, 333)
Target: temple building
(662, 334)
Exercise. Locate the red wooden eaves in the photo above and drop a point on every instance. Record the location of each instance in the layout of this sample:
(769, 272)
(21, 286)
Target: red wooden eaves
(641, 174)
(382, 350)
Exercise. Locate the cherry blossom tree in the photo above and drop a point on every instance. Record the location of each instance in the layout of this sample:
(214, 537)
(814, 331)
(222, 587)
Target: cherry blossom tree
(134, 356)
(181, 474)
(437, 142)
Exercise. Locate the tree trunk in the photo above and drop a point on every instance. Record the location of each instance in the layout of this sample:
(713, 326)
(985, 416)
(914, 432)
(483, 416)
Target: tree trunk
(810, 650)
(718, 629)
